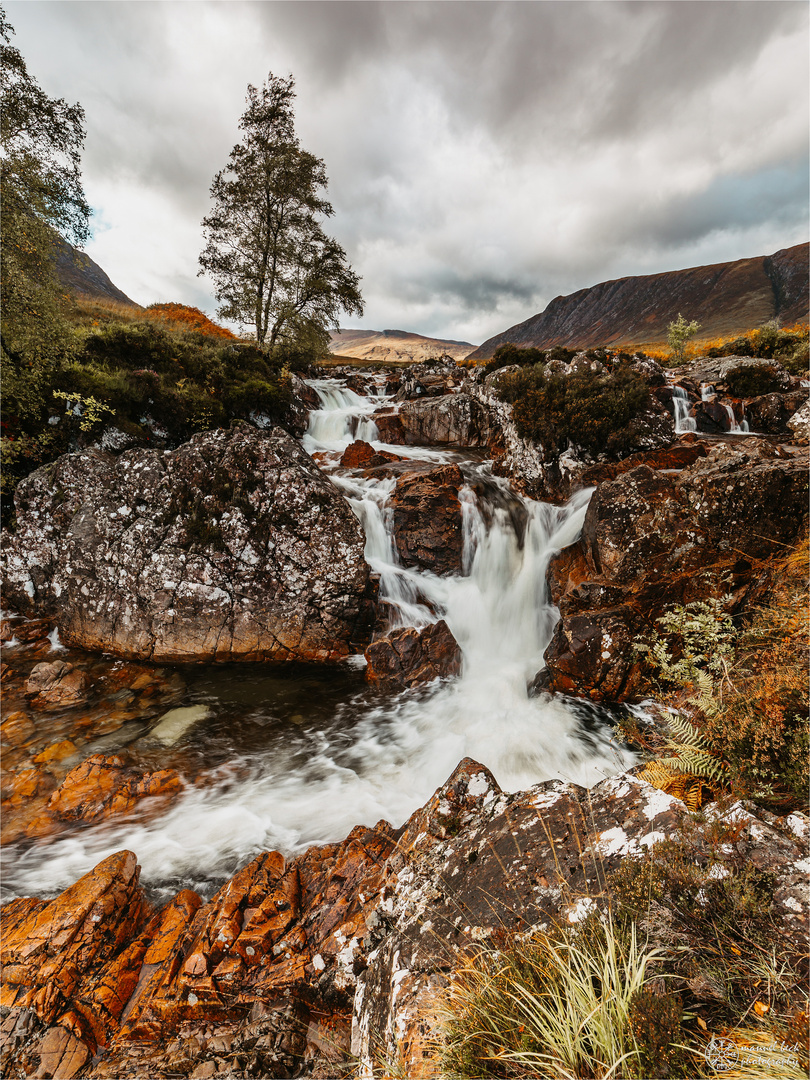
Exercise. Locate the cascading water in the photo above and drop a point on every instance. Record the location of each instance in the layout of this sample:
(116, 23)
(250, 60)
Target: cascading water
(680, 403)
(377, 755)
(708, 393)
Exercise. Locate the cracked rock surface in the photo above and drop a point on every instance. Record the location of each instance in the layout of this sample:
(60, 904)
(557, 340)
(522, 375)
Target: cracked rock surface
(232, 547)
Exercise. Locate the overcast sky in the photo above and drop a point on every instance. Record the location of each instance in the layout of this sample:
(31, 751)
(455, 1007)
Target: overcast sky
(482, 157)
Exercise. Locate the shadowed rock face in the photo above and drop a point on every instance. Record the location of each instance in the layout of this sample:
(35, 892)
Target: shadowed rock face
(427, 519)
(232, 547)
(725, 298)
(650, 539)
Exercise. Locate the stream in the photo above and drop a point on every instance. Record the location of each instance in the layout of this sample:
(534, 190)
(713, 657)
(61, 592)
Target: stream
(284, 758)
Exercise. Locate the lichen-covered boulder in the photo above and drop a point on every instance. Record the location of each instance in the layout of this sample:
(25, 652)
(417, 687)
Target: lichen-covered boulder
(232, 547)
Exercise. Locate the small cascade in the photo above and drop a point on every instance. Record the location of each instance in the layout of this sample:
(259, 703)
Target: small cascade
(344, 417)
(708, 393)
(680, 403)
(735, 428)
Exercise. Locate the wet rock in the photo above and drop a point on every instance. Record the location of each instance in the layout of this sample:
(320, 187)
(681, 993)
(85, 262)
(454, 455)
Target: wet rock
(650, 540)
(106, 785)
(362, 455)
(770, 413)
(684, 452)
(17, 729)
(232, 547)
(389, 426)
(410, 657)
(427, 519)
(57, 685)
(455, 420)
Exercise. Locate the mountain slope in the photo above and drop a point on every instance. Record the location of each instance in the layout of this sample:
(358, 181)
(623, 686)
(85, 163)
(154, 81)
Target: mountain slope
(395, 345)
(77, 273)
(725, 298)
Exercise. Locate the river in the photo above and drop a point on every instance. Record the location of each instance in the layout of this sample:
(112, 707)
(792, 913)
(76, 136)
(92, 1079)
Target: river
(281, 759)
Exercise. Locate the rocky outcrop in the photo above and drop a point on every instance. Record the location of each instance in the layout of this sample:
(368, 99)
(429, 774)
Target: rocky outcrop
(232, 547)
(555, 477)
(294, 965)
(477, 865)
(725, 298)
(411, 657)
(389, 426)
(427, 519)
(451, 420)
(770, 413)
(651, 539)
(255, 981)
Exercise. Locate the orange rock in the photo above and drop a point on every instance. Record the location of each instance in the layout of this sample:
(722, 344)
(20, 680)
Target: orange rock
(62, 1055)
(46, 949)
(17, 729)
(25, 785)
(106, 784)
(56, 752)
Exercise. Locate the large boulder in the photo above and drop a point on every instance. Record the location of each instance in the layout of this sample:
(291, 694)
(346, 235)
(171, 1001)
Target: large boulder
(651, 539)
(452, 420)
(476, 865)
(427, 519)
(232, 547)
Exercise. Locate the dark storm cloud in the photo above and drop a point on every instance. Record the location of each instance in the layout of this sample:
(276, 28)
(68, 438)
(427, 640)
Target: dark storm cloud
(483, 157)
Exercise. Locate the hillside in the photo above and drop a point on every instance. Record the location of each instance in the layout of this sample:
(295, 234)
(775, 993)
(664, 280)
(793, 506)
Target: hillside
(395, 346)
(726, 299)
(78, 273)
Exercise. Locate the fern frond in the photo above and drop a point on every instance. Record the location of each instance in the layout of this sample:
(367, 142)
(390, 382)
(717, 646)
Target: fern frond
(690, 759)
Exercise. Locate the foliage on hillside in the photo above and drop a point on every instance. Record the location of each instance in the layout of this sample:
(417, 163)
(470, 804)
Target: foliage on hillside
(181, 317)
(788, 345)
(591, 411)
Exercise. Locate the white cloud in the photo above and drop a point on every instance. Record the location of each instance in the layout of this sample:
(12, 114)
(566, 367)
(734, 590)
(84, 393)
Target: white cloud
(483, 157)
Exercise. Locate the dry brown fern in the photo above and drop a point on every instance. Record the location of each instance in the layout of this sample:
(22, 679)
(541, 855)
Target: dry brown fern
(687, 787)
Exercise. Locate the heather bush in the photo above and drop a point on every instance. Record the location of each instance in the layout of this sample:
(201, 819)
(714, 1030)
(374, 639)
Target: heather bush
(743, 381)
(583, 410)
(510, 355)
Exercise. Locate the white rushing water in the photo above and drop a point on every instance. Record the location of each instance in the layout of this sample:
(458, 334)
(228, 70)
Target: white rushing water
(680, 403)
(708, 393)
(386, 754)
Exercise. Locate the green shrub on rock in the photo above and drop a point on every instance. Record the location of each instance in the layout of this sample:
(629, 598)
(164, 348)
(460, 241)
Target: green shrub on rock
(744, 381)
(580, 409)
(510, 355)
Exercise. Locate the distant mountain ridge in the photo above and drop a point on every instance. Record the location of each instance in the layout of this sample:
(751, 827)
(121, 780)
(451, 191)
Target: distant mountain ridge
(395, 345)
(725, 298)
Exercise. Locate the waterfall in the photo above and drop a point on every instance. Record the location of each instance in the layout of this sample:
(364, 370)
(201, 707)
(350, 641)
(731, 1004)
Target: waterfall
(381, 755)
(344, 417)
(680, 403)
(708, 393)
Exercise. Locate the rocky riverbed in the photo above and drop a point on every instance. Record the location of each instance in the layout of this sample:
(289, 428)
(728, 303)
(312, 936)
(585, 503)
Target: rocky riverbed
(320, 834)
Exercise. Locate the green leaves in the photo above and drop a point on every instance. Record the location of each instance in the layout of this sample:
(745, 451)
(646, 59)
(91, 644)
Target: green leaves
(272, 265)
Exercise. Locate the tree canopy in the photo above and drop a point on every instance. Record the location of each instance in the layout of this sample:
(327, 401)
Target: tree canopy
(40, 195)
(273, 266)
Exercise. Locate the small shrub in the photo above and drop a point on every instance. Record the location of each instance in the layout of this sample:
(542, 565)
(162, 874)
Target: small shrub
(678, 334)
(588, 411)
(555, 1006)
(508, 355)
(743, 381)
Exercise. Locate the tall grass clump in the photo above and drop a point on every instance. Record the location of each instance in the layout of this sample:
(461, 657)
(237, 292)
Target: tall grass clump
(560, 1006)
